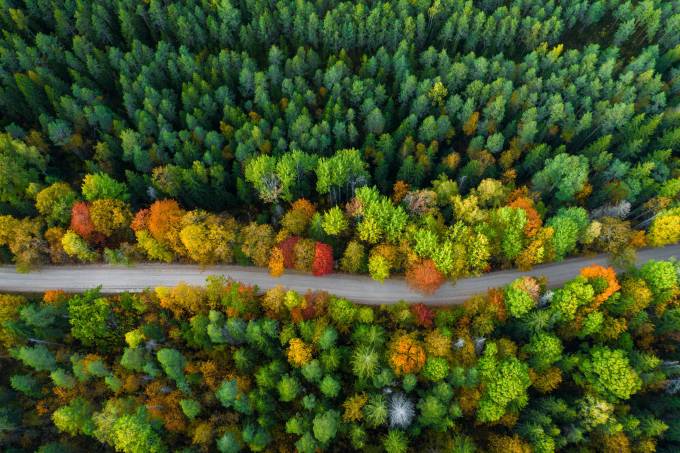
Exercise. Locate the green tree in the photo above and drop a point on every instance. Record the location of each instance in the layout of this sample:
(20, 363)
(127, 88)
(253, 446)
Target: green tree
(325, 426)
(608, 373)
(563, 176)
(21, 166)
(506, 382)
(334, 221)
(173, 363)
(75, 418)
(54, 203)
(100, 185)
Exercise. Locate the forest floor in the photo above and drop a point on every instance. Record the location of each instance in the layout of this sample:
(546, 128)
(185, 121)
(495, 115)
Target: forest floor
(358, 288)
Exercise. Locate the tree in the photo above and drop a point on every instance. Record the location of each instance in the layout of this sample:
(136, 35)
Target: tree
(341, 174)
(506, 382)
(406, 355)
(305, 252)
(395, 441)
(20, 166)
(101, 186)
(353, 258)
(133, 433)
(55, 202)
(568, 225)
(334, 222)
(76, 246)
(81, 222)
(37, 357)
(299, 353)
(75, 418)
(518, 300)
(207, 238)
(378, 267)
(665, 229)
(165, 220)
(544, 350)
(608, 277)
(325, 426)
(261, 172)
(24, 241)
(435, 369)
(365, 361)
(563, 176)
(257, 242)
(276, 263)
(608, 373)
(173, 363)
(91, 317)
(288, 388)
(109, 216)
(424, 277)
(323, 259)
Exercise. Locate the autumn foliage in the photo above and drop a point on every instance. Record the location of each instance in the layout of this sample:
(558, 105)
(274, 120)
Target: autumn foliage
(276, 263)
(424, 277)
(323, 259)
(288, 251)
(423, 315)
(299, 353)
(608, 274)
(406, 355)
(534, 221)
(164, 217)
(81, 223)
(141, 220)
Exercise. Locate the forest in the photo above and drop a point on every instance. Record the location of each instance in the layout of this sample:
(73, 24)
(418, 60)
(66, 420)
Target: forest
(435, 139)
(593, 366)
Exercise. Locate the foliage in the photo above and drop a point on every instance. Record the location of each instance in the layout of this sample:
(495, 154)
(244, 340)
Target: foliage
(223, 368)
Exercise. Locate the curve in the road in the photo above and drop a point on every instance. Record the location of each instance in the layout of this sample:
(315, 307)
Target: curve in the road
(354, 287)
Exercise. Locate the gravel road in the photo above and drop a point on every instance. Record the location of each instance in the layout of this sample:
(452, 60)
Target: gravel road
(358, 288)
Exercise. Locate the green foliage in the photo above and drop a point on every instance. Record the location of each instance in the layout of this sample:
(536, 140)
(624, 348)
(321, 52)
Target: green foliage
(54, 203)
(288, 388)
(133, 433)
(395, 441)
(329, 386)
(100, 186)
(228, 443)
(365, 361)
(20, 166)
(91, 318)
(435, 369)
(37, 357)
(74, 418)
(334, 222)
(173, 364)
(191, 408)
(325, 426)
(608, 373)
(506, 382)
(544, 350)
(517, 300)
(562, 177)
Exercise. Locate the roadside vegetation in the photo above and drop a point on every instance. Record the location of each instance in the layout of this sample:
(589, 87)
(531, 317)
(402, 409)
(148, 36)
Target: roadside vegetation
(591, 366)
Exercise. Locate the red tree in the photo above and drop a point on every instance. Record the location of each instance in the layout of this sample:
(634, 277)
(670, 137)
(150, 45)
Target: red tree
(81, 223)
(288, 249)
(323, 259)
(424, 316)
(424, 277)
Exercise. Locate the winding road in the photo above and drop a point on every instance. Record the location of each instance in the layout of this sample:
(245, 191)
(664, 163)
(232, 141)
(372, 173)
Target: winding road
(114, 279)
